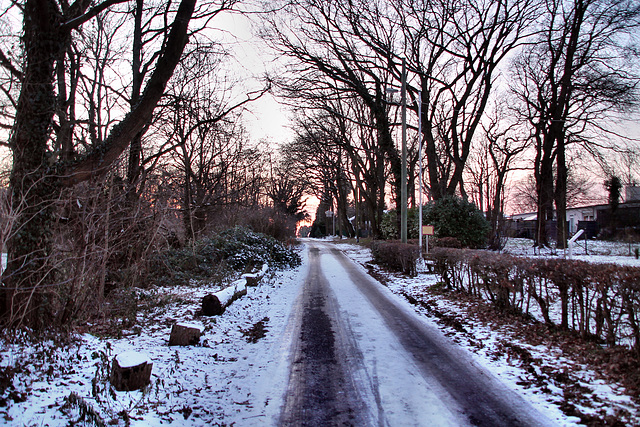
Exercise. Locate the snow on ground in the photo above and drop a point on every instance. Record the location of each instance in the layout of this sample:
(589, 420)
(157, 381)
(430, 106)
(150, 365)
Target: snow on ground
(230, 377)
(597, 251)
(542, 373)
(224, 380)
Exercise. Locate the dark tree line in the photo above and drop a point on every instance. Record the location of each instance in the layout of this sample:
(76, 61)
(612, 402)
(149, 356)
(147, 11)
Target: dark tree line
(570, 65)
(126, 137)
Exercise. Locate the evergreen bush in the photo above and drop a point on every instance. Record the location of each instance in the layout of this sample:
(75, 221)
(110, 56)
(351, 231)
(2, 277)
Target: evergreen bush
(457, 223)
(389, 224)
(216, 257)
(457, 218)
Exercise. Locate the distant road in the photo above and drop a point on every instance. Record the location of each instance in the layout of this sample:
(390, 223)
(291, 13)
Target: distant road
(360, 357)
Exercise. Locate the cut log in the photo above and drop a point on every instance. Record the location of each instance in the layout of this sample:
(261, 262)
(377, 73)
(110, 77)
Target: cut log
(211, 305)
(254, 278)
(185, 334)
(130, 371)
(215, 304)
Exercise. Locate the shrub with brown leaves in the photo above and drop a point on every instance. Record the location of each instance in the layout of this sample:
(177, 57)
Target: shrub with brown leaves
(396, 256)
(600, 301)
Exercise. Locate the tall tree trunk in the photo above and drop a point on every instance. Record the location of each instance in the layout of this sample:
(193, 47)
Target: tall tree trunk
(187, 202)
(495, 209)
(388, 149)
(379, 213)
(561, 195)
(559, 116)
(135, 150)
(437, 185)
(544, 188)
(65, 107)
(34, 186)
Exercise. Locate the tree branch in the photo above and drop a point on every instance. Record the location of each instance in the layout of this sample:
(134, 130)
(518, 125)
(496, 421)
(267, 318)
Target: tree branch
(99, 160)
(77, 21)
(6, 63)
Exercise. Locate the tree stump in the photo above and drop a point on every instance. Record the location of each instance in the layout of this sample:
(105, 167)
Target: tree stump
(252, 279)
(185, 334)
(130, 371)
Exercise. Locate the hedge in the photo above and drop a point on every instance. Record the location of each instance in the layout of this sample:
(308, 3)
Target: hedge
(600, 301)
(396, 256)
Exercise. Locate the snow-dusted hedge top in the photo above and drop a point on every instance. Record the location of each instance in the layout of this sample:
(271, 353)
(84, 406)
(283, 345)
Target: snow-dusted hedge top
(598, 300)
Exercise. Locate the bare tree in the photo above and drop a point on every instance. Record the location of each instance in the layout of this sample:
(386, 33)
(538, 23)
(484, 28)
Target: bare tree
(329, 62)
(101, 90)
(454, 50)
(11, 73)
(319, 151)
(214, 158)
(577, 74)
(35, 181)
(341, 137)
(201, 129)
(625, 164)
(502, 150)
(287, 187)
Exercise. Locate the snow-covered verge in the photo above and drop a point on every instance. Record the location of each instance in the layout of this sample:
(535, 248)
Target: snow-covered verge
(224, 380)
(551, 369)
(230, 377)
(586, 250)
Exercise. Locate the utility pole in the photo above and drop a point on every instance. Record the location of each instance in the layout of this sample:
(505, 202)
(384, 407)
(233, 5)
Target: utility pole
(403, 198)
(420, 171)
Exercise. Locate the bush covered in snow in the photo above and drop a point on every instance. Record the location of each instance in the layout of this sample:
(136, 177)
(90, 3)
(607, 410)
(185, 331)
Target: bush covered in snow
(242, 248)
(218, 256)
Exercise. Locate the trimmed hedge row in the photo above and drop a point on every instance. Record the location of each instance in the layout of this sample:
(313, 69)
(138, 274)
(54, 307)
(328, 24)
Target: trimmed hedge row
(600, 301)
(396, 256)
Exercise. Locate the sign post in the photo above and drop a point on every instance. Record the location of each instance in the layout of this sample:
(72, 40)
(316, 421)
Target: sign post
(331, 214)
(427, 230)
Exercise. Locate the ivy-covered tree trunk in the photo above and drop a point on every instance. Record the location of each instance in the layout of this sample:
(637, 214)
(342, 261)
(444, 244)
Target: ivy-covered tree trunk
(33, 187)
(36, 180)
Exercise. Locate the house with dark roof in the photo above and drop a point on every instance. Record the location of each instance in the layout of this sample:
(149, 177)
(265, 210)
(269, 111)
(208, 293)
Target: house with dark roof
(596, 220)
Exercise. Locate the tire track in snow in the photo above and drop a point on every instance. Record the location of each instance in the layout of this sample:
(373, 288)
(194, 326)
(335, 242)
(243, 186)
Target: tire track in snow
(361, 357)
(320, 390)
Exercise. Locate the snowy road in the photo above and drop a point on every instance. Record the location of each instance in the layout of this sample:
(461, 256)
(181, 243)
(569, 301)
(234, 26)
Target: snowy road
(360, 356)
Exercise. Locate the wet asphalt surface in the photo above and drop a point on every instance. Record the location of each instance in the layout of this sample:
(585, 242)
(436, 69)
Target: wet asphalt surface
(323, 388)
(320, 392)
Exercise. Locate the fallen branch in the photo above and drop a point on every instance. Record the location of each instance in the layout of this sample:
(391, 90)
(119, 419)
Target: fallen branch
(215, 304)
